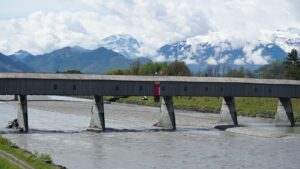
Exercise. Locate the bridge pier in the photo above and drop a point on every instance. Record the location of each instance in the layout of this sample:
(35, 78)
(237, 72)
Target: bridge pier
(228, 112)
(23, 114)
(284, 115)
(167, 114)
(97, 116)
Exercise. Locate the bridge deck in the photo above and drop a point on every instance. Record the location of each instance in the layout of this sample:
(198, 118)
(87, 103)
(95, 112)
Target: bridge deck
(144, 78)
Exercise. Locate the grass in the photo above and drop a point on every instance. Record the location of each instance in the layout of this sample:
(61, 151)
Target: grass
(6, 164)
(36, 160)
(252, 107)
(245, 106)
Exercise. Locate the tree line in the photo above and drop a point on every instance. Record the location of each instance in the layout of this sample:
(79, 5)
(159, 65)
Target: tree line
(289, 68)
(175, 68)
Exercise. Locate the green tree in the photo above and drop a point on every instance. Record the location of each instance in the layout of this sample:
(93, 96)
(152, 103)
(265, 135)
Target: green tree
(275, 70)
(292, 65)
(292, 57)
(70, 72)
(134, 68)
(115, 72)
(151, 68)
(239, 73)
(177, 68)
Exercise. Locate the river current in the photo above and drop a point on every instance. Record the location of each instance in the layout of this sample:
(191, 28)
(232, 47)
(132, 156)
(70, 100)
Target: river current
(58, 126)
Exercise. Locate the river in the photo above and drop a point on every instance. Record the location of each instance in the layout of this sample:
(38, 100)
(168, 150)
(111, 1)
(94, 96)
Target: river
(58, 127)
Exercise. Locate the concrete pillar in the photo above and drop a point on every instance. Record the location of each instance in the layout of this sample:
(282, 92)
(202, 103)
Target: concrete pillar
(16, 97)
(167, 115)
(228, 112)
(284, 115)
(97, 117)
(23, 114)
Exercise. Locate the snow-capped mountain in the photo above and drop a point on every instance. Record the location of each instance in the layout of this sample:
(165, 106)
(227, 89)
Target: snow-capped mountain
(123, 44)
(287, 40)
(219, 48)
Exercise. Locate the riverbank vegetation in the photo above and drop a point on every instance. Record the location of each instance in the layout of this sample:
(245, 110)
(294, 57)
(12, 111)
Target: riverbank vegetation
(36, 160)
(251, 107)
(6, 164)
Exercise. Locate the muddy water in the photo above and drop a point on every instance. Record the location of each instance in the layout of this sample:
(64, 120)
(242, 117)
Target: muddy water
(59, 129)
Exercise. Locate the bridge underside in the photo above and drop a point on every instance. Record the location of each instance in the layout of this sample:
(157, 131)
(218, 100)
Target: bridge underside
(228, 116)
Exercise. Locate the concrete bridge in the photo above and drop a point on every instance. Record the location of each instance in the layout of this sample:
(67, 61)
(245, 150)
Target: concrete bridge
(23, 84)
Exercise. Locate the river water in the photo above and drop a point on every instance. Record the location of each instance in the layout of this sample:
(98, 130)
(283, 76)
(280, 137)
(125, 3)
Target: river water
(58, 127)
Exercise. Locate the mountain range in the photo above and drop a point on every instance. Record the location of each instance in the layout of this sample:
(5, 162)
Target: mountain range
(199, 52)
(71, 58)
(9, 65)
(214, 49)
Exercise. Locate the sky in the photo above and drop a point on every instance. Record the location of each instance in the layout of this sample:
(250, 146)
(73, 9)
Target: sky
(41, 26)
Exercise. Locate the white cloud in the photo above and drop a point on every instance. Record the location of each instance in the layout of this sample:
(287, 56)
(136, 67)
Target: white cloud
(239, 61)
(211, 61)
(190, 61)
(223, 59)
(4, 46)
(42, 32)
(255, 56)
(147, 50)
(155, 23)
(160, 58)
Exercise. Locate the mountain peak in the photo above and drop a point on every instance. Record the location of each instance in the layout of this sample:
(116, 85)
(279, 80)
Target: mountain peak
(68, 51)
(123, 44)
(79, 48)
(118, 36)
(21, 54)
(287, 39)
